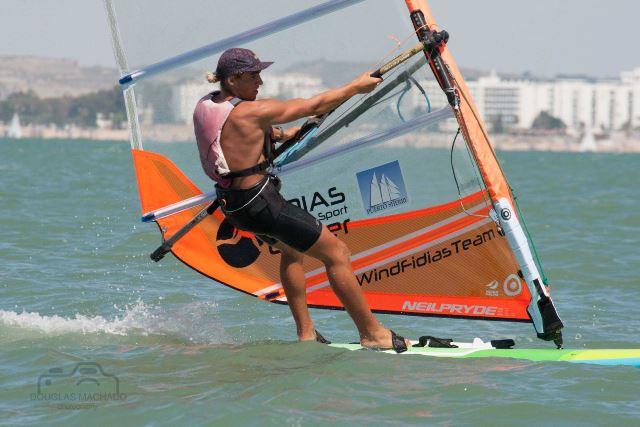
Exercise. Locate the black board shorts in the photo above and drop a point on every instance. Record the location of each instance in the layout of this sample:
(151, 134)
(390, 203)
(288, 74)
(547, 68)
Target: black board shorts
(263, 211)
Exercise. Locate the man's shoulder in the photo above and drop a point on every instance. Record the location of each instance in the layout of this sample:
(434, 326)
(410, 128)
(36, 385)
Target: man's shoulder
(263, 104)
(243, 107)
(205, 99)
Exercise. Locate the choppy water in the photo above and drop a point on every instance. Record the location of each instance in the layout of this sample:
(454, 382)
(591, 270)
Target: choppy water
(77, 285)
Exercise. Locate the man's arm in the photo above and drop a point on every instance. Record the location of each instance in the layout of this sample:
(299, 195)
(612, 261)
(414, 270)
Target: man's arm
(271, 112)
(286, 134)
(280, 134)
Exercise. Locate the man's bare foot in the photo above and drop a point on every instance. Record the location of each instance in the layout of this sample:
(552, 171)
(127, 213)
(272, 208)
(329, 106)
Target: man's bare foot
(315, 336)
(383, 340)
(307, 335)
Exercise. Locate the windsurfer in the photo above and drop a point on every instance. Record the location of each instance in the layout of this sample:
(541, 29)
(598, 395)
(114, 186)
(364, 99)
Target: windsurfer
(235, 135)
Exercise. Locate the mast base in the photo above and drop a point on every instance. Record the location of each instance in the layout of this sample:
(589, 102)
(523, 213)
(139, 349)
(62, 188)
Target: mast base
(555, 336)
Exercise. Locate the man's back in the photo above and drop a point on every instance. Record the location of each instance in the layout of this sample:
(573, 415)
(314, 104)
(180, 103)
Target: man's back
(242, 141)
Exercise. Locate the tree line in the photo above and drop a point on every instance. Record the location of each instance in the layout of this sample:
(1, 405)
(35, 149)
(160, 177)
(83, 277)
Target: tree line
(80, 111)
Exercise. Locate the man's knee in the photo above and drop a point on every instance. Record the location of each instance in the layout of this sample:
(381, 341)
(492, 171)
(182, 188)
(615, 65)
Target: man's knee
(339, 252)
(290, 256)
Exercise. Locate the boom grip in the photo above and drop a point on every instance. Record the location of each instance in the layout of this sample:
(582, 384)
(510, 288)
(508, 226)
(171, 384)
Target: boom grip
(418, 47)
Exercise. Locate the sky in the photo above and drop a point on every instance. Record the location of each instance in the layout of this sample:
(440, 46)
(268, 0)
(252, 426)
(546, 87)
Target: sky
(545, 37)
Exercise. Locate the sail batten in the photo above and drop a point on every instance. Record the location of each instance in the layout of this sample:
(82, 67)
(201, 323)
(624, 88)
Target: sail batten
(425, 120)
(235, 40)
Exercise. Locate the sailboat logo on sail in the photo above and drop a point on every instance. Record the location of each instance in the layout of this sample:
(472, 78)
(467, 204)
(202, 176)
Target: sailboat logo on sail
(382, 188)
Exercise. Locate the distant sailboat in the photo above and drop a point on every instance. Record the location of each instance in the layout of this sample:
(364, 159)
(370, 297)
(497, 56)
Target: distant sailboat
(588, 141)
(15, 129)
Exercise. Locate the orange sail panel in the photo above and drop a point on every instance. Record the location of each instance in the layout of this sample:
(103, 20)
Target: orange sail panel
(436, 261)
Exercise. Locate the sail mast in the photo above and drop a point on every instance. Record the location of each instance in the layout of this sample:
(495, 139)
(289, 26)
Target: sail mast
(541, 309)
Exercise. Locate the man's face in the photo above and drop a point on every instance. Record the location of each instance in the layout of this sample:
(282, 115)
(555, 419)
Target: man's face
(246, 85)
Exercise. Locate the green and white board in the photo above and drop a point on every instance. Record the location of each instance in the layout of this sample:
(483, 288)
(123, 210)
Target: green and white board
(480, 349)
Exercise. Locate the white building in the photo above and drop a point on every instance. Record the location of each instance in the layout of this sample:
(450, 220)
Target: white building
(291, 85)
(601, 105)
(632, 79)
(186, 96)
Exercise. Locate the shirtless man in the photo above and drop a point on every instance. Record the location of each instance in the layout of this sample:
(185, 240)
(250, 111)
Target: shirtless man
(235, 135)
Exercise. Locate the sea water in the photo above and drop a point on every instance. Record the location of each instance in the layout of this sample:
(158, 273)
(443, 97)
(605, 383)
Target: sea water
(83, 308)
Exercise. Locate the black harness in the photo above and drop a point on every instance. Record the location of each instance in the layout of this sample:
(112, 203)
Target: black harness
(267, 150)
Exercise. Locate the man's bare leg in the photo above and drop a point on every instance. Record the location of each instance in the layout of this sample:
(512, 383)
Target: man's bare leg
(293, 283)
(335, 256)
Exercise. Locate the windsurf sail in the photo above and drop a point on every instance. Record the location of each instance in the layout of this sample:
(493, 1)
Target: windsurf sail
(405, 175)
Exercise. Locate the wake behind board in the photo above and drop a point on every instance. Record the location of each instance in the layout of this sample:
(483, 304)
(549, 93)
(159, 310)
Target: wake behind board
(480, 349)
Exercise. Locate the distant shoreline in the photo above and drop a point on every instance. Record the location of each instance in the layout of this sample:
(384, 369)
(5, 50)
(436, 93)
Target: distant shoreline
(504, 142)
